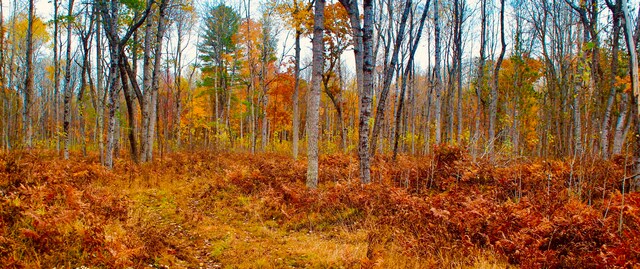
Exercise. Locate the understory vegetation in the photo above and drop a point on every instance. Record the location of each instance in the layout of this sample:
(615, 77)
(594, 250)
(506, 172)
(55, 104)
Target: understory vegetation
(238, 210)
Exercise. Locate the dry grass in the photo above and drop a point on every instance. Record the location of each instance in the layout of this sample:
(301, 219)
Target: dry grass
(204, 210)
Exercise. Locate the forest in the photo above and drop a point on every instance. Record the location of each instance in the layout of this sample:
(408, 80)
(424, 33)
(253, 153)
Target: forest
(319, 134)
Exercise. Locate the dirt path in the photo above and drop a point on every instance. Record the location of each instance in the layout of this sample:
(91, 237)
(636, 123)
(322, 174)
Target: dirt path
(204, 228)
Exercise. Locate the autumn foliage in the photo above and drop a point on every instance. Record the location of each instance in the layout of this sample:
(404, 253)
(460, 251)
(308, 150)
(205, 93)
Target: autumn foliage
(527, 213)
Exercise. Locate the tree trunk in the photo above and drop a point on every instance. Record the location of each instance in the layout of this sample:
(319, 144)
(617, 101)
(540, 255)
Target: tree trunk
(180, 28)
(412, 52)
(589, 37)
(3, 81)
(388, 76)
(633, 62)
(296, 89)
(110, 14)
(29, 87)
(128, 96)
(56, 74)
(153, 106)
(147, 82)
(85, 73)
(459, 16)
(493, 108)
(621, 125)
(606, 121)
(67, 88)
(99, 87)
(354, 17)
(265, 95)
(337, 104)
(438, 78)
(363, 52)
(265, 121)
(313, 100)
(480, 83)
(114, 88)
(366, 96)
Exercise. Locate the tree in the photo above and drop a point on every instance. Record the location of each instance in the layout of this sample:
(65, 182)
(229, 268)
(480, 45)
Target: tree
(151, 102)
(363, 52)
(587, 12)
(85, 33)
(56, 68)
(493, 105)
(480, 81)
(221, 23)
(633, 62)
(296, 91)
(267, 47)
(366, 95)
(408, 68)
(616, 14)
(459, 17)
(388, 75)
(110, 15)
(29, 88)
(101, 93)
(68, 91)
(337, 40)
(3, 81)
(313, 99)
(185, 19)
(437, 76)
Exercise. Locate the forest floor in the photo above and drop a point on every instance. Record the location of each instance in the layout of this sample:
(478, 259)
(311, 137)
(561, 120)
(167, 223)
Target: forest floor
(237, 210)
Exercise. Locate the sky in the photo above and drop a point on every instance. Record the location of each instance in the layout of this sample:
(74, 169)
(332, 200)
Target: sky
(44, 9)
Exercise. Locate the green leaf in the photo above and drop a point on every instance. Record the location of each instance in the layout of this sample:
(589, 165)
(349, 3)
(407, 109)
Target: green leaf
(134, 4)
(589, 45)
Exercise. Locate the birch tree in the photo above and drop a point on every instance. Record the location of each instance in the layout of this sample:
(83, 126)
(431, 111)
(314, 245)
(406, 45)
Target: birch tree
(68, 90)
(388, 75)
(493, 105)
(28, 84)
(633, 62)
(313, 101)
(110, 15)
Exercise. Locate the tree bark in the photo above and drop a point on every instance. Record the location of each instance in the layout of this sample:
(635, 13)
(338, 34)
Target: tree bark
(438, 78)
(85, 39)
(110, 14)
(493, 108)
(633, 62)
(178, 81)
(147, 84)
(363, 52)
(366, 96)
(588, 16)
(606, 121)
(114, 88)
(67, 88)
(99, 86)
(56, 74)
(313, 99)
(3, 81)
(296, 90)
(480, 83)
(621, 125)
(29, 87)
(128, 97)
(354, 17)
(459, 16)
(153, 106)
